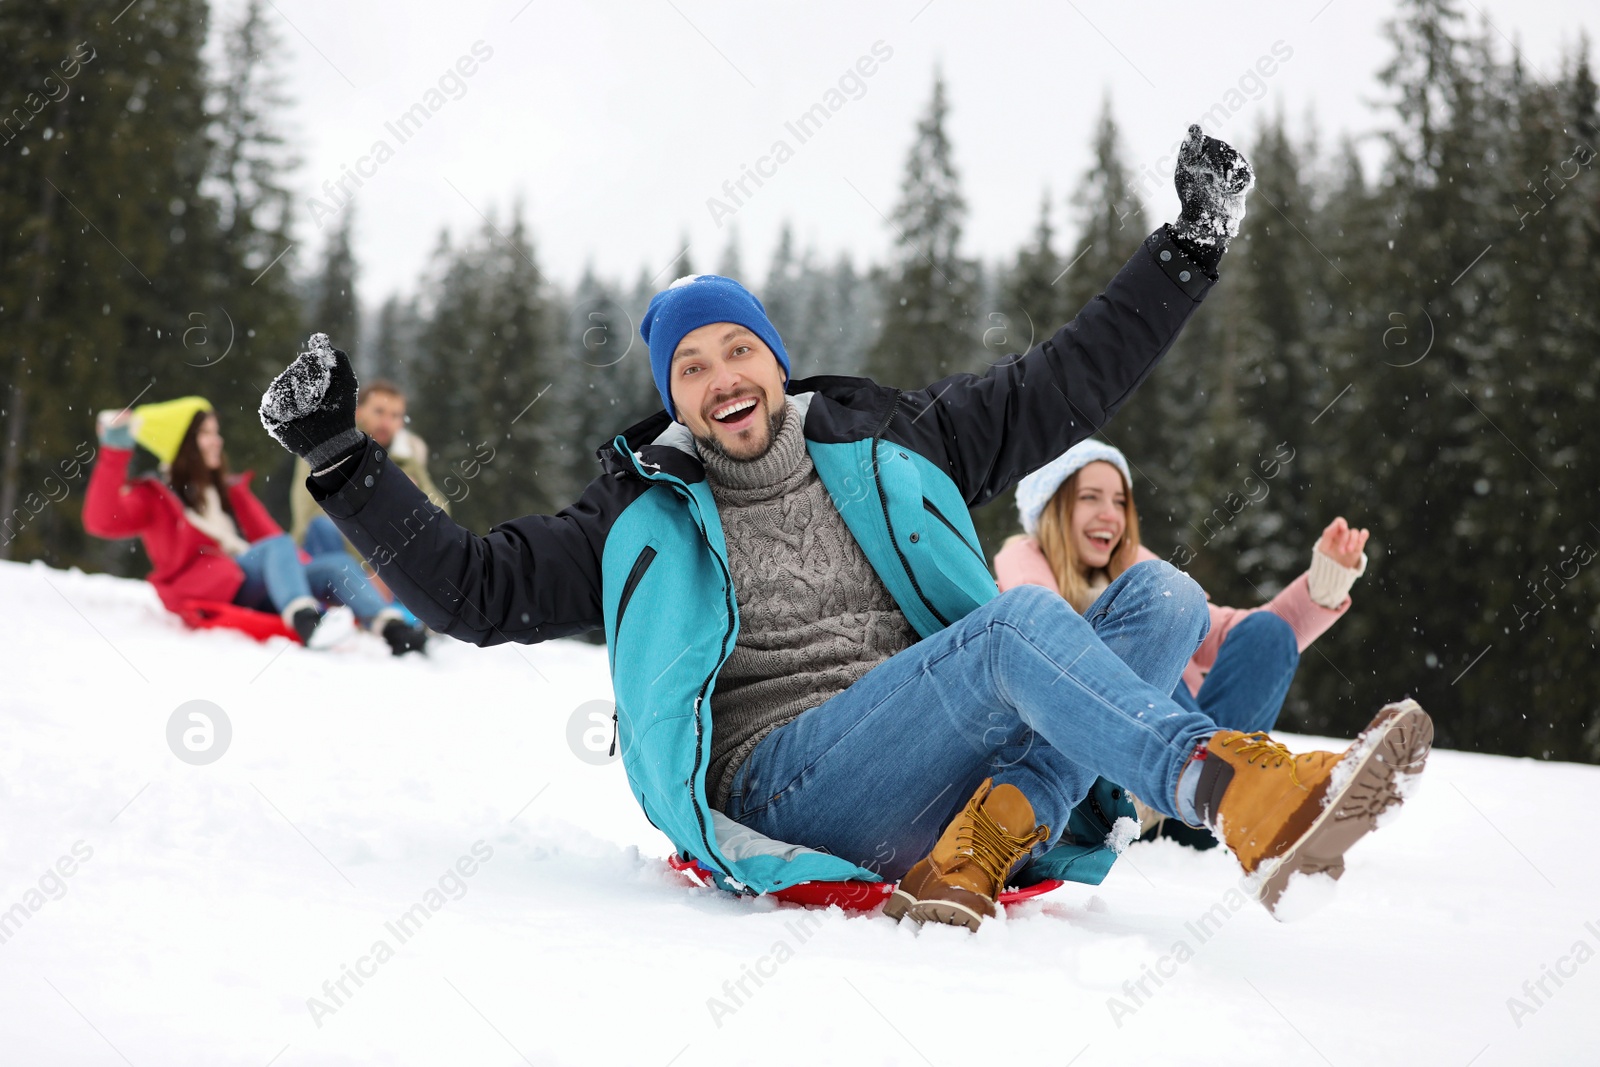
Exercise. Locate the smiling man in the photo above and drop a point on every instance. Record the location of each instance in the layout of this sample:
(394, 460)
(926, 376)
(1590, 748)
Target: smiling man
(730, 378)
(815, 675)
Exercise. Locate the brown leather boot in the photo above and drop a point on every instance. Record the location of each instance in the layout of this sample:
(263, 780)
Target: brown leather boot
(1282, 814)
(967, 869)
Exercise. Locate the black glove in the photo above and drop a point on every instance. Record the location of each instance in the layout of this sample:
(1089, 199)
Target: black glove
(1213, 181)
(310, 408)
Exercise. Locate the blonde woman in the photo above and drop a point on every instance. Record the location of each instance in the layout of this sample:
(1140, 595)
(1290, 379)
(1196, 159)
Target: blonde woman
(1082, 531)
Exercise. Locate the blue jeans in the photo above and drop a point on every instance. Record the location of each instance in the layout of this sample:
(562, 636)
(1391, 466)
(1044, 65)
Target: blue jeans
(324, 539)
(274, 576)
(1022, 689)
(1245, 687)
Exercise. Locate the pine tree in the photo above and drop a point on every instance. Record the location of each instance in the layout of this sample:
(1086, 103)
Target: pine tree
(254, 328)
(681, 267)
(783, 293)
(1030, 287)
(1109, 218)
(930, 302)
(1424, 73)
(1582, 96)
(731, 266)
(1275, 367)
(1534, 380)
(336, 310)
(107, 241)
(392, 353)
(486, 372)
(821, 346)
(602, 351)
(635, 387)
(1408, 418)
(856, 307)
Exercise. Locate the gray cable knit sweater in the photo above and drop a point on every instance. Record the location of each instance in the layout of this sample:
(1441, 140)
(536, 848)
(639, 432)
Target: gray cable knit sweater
(813, 615)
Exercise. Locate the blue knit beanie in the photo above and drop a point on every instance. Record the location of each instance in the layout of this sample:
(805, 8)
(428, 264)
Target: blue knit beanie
(695, 301)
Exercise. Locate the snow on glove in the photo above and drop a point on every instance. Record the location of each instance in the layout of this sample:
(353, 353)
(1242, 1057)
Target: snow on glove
(1213, 180)
(310, 408)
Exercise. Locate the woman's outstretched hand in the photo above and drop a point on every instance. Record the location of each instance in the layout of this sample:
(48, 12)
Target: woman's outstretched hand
(115, 428)
(1342, 543)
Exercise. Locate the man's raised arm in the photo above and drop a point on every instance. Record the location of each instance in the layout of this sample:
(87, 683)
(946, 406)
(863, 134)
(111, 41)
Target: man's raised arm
(527, 580)
(1000, 426)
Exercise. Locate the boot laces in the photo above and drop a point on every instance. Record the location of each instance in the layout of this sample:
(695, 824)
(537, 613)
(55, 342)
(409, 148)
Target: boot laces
(1261, 745)
(987, 844)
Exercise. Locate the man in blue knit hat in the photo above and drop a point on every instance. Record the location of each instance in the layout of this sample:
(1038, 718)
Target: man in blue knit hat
(816, 678)
(711, 341)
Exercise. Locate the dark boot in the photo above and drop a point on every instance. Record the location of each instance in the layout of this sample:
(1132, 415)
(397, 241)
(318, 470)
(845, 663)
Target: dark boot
(404, 637)
(317, 628)
(304, 622)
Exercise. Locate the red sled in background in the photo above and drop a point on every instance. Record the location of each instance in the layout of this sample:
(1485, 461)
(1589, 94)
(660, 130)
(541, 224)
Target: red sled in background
(218, 614)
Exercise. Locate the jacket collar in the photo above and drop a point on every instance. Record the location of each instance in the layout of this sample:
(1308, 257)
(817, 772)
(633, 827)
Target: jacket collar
(664, 442)
(404, 445)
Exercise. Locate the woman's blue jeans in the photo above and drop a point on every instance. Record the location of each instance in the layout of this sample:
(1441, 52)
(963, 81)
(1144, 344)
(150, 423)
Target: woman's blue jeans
(1247, 684)
(1022, 689)
(274, 576)
(324, 539)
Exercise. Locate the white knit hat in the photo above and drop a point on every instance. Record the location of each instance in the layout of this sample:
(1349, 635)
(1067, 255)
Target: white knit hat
(1035, 491)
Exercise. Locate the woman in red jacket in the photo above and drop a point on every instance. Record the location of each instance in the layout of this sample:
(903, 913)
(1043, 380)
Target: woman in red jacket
(208, 536)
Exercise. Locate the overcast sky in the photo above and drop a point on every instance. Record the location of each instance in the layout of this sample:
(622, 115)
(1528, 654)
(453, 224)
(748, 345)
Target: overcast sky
(616, 123)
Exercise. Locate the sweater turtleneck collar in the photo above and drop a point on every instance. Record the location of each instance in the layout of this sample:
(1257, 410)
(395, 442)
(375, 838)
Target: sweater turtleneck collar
(780, 469)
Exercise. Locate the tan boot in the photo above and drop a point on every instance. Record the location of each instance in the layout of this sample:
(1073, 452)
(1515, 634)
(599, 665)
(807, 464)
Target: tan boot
(1282, 814)
(968, 867)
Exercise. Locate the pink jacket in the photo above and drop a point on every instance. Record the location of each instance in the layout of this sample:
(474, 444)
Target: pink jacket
(1023, 563)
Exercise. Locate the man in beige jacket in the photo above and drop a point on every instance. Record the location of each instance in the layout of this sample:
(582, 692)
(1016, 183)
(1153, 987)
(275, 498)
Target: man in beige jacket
(381, 414)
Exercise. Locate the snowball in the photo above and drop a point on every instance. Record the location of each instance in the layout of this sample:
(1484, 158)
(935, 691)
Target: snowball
(680, 283)
(1123, 833)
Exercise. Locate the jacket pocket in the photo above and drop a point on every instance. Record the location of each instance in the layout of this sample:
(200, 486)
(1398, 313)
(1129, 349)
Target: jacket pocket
(929, 507)
(647, 555)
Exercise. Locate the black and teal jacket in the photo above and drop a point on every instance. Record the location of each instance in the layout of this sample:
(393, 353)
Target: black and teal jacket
(641, 552)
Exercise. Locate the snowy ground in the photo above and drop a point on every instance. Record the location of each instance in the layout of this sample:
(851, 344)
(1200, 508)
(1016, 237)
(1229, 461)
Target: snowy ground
(206, 905)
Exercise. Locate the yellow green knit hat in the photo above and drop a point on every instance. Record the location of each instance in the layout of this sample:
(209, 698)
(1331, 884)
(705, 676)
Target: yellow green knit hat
(160, 427)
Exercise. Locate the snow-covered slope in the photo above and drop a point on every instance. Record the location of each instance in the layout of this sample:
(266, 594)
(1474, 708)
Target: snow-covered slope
(207, 905)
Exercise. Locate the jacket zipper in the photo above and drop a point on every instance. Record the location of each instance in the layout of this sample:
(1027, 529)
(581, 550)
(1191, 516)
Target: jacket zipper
(929, 507)
(647, 555)
(877, 477)
(727, 595)
(722, 655)
(1100, 812)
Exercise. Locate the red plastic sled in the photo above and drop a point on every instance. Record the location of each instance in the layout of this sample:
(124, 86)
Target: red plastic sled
(215, 614)
(851, 896)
